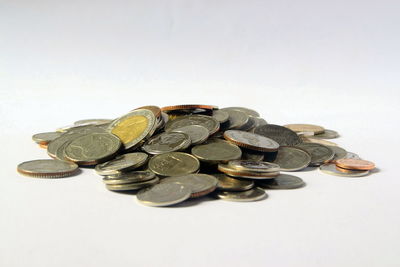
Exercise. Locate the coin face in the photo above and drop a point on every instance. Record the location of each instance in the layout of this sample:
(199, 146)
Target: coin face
(331, 169)
(340, 153)
(283, 181)
(226, 183)
(132, 186)
(245, 174)
(45, 138)
(244, 196)
(319, 153)
(251, 141)
(220, 115)
(327, 134)
(253, 166)
(355, 164)
(122, 163)
(208, 122)
(306, 128)
(283, 136)
(133, 127)
(197, 133)
(47, 168)
(167, 142)
(236, 119)
(292, 158)
(92, 148)
(215, 150)
(174, 164)
(164, 194)
(199, 184)
(130, 177)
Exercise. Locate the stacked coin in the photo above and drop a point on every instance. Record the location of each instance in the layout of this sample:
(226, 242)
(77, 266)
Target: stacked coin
(170, 154)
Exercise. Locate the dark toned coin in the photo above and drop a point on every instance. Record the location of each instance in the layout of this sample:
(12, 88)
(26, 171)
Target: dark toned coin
(283, 136)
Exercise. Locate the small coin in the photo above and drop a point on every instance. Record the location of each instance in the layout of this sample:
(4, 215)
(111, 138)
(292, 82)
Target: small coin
(174, 164)
(252, 155)
(130, 177)
(327, 134)
(355, 164)
(283, 136)
(47, 168)
(199, 184)
(132, 186)
(305, 128)
(220, 115)
(330, 168)
(206, 121)
(216, 150)
(318, 141)
(197, 133)
(167, 142)
(351, 155)
(226, 183)
(319, 153)
(236, 119)
(229, 170)
(292, 158)
(283, 181)
(243, 196)
(251, 141)
(164, 194)
(254, 166)
(121, 163)
(247, 111)
(340, 153)
(45, 138)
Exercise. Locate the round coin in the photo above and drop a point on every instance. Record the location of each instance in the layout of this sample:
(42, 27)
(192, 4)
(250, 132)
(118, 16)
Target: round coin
(283, 136)
(330, 168)
(318, 141)
(45, 138)
(340, 153)
(226, 183)
(283, 181)
(130, 177)
(305, 128)
(216, 150)
(327, 134)
(132, 186)
(47, 168)
(253, 166)
(167, 142)
(247, 111)
(236, 119)
(156, 110)
(208, 122)
(319, 153)
(252, 155)
(197, 133)
(244, 196)
(164, 194)
(199, 184)
(174, 164)
(355, 164)
(220, 115)
(292, 158)
(351, 155)
(123, 162)
(251, 141)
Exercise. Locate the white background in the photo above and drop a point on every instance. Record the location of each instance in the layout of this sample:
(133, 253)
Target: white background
(333, 63)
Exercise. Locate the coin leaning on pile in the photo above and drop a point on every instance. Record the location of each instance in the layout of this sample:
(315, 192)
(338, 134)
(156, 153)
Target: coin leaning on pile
(171, 154)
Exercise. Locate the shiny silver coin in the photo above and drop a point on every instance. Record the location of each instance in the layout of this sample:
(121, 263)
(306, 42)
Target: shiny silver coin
(199, 184)
(237, 119)
(328, 134)
(282, 135)
(251, 141)
(227, 183)
(220, 115)
(244, 196)
(45, 138)
(164, 194)
(206, 121)
(283, 181)
(174, 164)
(254, 166)
(132, 186)
(197, 133)
(247, 111)
(340, 153)
(130, 177)
(167, 142)
(121, 163)
(47, 168)
(331, 169)
(292, 158)
(351, 155)
(320, 154)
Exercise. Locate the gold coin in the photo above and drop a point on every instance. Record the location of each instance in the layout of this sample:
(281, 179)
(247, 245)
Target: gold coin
(305, 128)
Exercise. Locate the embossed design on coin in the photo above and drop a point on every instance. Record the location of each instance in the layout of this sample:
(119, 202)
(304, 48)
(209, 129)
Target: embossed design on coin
(206, 121)
(215, 150)
(251, 141)
(283, 136)
(319, 153)
(197, 133)
(164, 194)
(243, 196)
(47, 168)
(167, 142)
(283, 181)
(199, 184)
(174, 164)
(123, 162)
(292, 158)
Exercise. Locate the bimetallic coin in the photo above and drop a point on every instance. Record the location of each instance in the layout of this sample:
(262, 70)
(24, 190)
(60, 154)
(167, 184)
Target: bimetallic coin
(320, 154)
(45, 138)
(355, 164)
(130, 177)
(164, 194)
(167, 142)
(174, 164)
(121, 163)
(216, 150)
(132, 186)
(283, 136)
(292, 158)
(253, 166)
(199, 184)
(220, 115)
(340, 153)
(226, 183)
(251, 141)
(330, 168)
(305, 128)
(197, 133)
(283, 181)
(47, 168)
(244, 196)
(327, 134)
(247, 111)
(237, 118)
(133, 127)
(208, 122)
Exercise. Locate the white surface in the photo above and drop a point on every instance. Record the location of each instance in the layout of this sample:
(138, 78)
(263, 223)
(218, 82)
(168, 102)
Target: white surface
(334, 63)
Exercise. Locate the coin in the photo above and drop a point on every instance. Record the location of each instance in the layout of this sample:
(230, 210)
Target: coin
(351, 155)
(330, 168)
(283, 181)
(282, 135)
(236, 119)
(250, 124)
(206, 121)
(188, 106)
(47, 168)
(132, 186)
(197, 133)
(92, 122)
(292, 158)
(123, 162)
(340, 153)
(199, 184)
(355, 164)
(318, 141)
(164, 194)
(260, 121)
(174, 164)
(253, 166)
(220, 115)
(252, 155)
(226, 183)
(327, 134)
(130, 177)
(92, 148)
(45, 138)
(243, 196)
(305, 128)
(133, 127)
(247, 111)
(251, 141)
(319, 153)
(229, 170)
(156, 110)
(167, 142)
(216, 150)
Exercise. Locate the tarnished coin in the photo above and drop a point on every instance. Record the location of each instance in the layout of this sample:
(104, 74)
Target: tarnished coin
(305, 128)
(45, 138)
(220, 115)
(283, 181)
(47, 168)
(132, 186)
(197, 133)
(174, 164)
(229, 170)
(254, 166)
(251, 141)
(252, 155)
(121, 163)
(164, 194)
(318, 141)
(92, 148)
(327, 134)
(226, 183)
(167, 142)
(206, 121)
(216, 150)
(319, 153)
(199, 184)
(283, 136)
(133, 127)
(330, 168)
(247, 111)
(243, 196)
(355, 164)
(340, 153)
(292, 158)
(130, 177)
(236, 119)
(92, 122)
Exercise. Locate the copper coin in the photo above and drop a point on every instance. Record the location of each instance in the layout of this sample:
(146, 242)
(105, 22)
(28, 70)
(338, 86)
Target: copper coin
(188, 106)
(355, 164)
(305, 128)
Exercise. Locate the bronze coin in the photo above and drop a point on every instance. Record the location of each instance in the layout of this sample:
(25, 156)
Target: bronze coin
(355, 164)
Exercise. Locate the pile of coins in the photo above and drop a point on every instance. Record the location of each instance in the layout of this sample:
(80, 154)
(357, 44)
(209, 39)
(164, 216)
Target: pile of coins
(168, 155)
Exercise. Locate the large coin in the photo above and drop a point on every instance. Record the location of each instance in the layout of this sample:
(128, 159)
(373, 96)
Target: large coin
(199, 184)
(45, 138)
(133, 127)
(92, 148)
(327, 134)
(250, 124)
(130, 177)
(253, 166)
(319, 153)
(132, 186)
(251, 141)
(123, 162)
(47, 168)
(330, 168)
(208, 122)
(237, 119)
(244, 196)
(282, 135)
(283, 181)
(220, 115)
(340, 153)
(174, 164)
(252, 155)
(165, 194)
(292, 158)
(197, 133)
(215, 150)
(167, 142)
(226, 183)
(298, 128)
(355, 164)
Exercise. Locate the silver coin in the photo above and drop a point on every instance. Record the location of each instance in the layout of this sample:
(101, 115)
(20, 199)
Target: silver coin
(283, 181)
(351, 155)
(123, 162)
(47, 168)
(340, 153)
(260, 121)
(227, 183)
(247, 111)
(328, 134)
(216, 150)
(174, 164)
(164, 194)
(282, 135)
(199, 184)
(130, 177)
(243, 196)
(237, 118)
(319, 153)
(250, 125)
(44, 138)
(252, 155)
(132, 186)
(254, 166)
(292, 158)
(251, 141)
(167, 142)
(206, 121)
(220, 115)
(330, 168)
(92, 122)
(197, 133)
